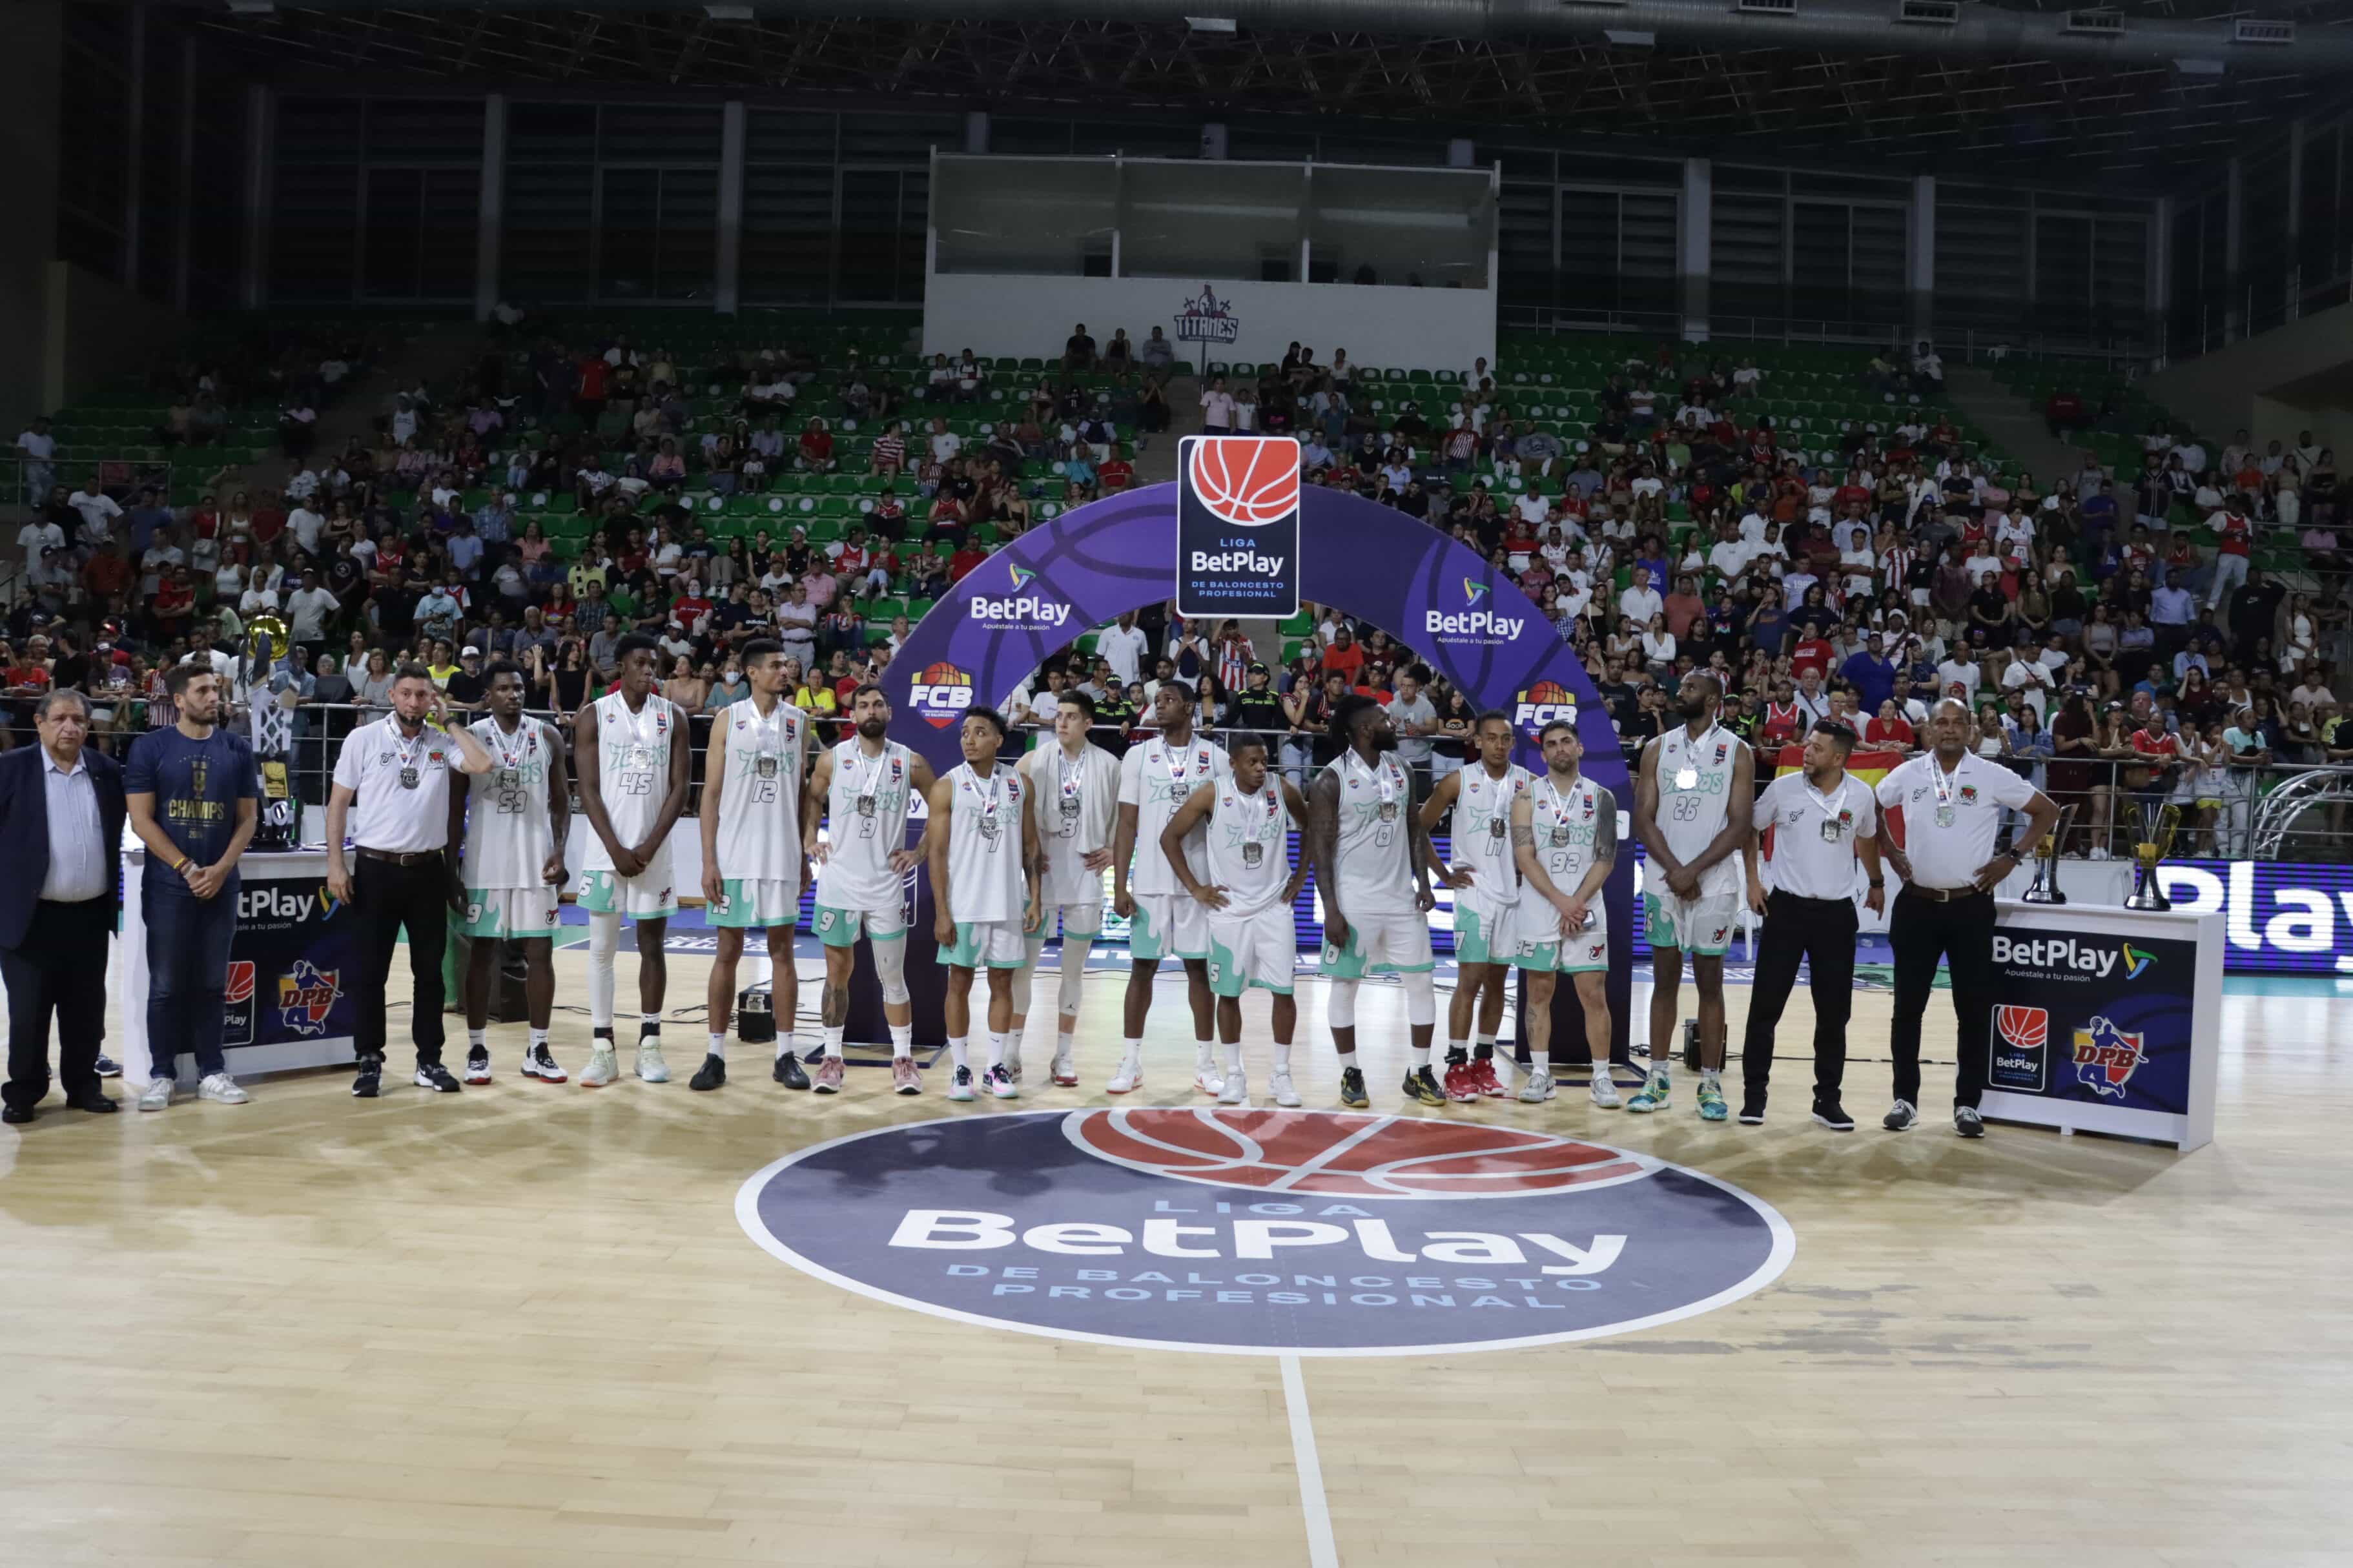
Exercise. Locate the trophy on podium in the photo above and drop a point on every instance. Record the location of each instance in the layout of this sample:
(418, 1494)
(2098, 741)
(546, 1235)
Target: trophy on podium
(272, 719)
(2158, 825)
(2044, 890)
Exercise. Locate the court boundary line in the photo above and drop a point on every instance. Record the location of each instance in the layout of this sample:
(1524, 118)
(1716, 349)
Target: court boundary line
(1314, 1510)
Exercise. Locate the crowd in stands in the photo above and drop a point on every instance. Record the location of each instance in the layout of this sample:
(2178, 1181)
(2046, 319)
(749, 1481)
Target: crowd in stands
(2118, 632)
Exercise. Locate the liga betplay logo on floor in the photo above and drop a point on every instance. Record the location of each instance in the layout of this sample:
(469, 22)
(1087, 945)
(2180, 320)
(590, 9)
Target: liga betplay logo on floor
(1313, 1232)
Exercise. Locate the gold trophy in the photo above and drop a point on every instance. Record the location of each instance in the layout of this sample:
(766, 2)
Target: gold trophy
(2044, 890)
(2158, 825)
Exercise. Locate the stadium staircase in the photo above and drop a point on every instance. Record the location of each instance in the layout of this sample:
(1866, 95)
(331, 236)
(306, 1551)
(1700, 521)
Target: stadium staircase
(2017, 428)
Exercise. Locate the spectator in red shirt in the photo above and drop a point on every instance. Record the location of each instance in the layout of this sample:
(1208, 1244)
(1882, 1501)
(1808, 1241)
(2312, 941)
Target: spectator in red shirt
(1888, 728)
(1115, 473)
(816, 447)
(691, 609)
(175, 600)
(1683, 607)
(967, 556)
(890, 453)
(1344, 657)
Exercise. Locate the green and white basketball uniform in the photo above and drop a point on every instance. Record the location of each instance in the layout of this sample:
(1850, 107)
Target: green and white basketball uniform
(1565, 824)
(1076, 806)
(858, 893)
(1694, 780)
(1376, 877)
(1486, 912)
(1252, 941)
(759, 837)
(988, 889)
(510, 835)
(1155, 778)
(633, 754)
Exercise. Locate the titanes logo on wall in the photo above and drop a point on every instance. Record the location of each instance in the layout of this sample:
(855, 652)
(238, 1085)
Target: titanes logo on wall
(1204, 317)
(942, 694)
(1248, 1231)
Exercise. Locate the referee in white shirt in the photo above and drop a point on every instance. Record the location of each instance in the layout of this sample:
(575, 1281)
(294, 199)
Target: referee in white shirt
(397, 769)
(1810, 826)
(1944, 810)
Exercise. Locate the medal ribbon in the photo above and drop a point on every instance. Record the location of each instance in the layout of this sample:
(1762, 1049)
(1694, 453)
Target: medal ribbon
(410, 748)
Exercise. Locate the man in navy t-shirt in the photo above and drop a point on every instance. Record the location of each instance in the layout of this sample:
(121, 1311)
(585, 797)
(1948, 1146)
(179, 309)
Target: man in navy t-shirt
(194, 795)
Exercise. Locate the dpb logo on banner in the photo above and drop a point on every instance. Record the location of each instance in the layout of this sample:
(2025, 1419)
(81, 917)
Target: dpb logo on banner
(1238, 525)
(1240, 1230)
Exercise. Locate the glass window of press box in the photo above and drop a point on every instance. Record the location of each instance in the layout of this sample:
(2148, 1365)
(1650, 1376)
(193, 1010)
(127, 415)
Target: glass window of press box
(1276, 223)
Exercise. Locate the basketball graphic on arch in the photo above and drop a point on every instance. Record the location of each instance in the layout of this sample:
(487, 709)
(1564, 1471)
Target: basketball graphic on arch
(1246, 480)
(1342, 1154)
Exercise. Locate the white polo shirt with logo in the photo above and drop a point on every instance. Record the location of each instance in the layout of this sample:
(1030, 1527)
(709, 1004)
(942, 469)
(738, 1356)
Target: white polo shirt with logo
(1950, 820)
(1814, 833)
(389, 814)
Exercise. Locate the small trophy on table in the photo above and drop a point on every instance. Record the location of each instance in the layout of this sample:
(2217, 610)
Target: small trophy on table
(2044, 890)
(2158, 825)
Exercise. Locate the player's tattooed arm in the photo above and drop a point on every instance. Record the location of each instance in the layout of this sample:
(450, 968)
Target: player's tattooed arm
(1605, 826)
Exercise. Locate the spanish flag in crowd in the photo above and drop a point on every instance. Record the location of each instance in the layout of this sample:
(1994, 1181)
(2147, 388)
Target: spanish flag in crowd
(1868, 766)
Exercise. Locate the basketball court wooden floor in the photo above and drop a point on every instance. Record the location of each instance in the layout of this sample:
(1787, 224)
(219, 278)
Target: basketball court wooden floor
(525, 1327)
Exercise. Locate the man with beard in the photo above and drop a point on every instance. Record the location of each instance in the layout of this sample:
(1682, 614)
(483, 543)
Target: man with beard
(1154, 779)
(1693, 797)
(860, 791)
(1486, 885)
(1074, 794)
(752, 861)
(1376, 900)
(1564, 841)
(511, 822)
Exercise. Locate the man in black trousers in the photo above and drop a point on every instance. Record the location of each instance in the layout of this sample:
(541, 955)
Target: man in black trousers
(61, 810)
(1809, 827)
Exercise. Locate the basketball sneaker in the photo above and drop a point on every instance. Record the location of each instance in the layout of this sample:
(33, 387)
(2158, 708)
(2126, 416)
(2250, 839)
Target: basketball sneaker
(1459, 1083)
(962, 1085)
(1284, 1095)
(604, 1064)
(1604, 1089)
(1012, 1066)
(1000, 1083)
(1352, 1089)
(1421, 1084)
(1832, 1115)
(787, 1071)
(478, 1065)
(1129, 1077)
(1900, 1117)
(828, 1074)
(367, 1081)
(1208, 1082)
(711, 1074)
(157, 1095)
(905, 1077)
(1235, 1090)
(1752, 1109)
(1967, 1123)
(1539, 1089)
(1653, 1095)
(436, 1077)
(105, 1066)
(539, 1062)
(1484, 1078)
(1711, 1098)
(1065, 1071)
(221, 1089)
(650, 1065)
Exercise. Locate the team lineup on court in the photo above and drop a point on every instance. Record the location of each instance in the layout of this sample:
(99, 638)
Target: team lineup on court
(1195, 837)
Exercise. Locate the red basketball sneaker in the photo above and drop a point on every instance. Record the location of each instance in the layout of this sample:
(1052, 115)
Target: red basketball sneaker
(1461, 1082)
(1484, 1078)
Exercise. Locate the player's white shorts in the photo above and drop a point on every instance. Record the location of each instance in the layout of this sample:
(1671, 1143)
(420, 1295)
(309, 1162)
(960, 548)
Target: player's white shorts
(508, 914)
(1398, 941)
(1168, 925)
(1701, 926)
(647, 897)
(1486, 931)
(842, 928)
(1071, 919)
(748, 903)
(1259, 950)
(1543, 945)
(992, 944)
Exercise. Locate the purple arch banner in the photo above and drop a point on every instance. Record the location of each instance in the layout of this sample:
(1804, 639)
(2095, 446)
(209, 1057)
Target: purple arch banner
(1472, 626)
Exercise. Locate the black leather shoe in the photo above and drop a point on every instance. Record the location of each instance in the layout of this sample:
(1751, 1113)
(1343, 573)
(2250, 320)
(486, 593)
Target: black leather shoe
(95, 1103)
(16, 1115)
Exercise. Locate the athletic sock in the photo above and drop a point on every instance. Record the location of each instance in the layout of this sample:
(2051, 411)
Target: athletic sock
(1204, 1054)
(785, 1045)
(538, 1038)
(1012, 1050)
(1132, 1050)
(1347, 1061)
(1457, 1052)
(1485, 1048)
(648, 1023)
(474, 1040)
(1421, 1057)
(833, 1033)
(1234, 1056)
(996, 1049)
(902, 1039)
(956, 1050)
(1282, 1057)
(718, 1047)
(604, 1035)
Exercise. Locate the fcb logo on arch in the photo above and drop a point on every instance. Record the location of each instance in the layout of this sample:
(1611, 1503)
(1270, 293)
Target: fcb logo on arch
(942, 694)
(1259, 1231)
(1541, 704)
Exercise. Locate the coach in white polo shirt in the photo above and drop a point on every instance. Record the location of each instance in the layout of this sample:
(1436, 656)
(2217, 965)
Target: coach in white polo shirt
(1810, 826)
(1944, 811)
(397, 770)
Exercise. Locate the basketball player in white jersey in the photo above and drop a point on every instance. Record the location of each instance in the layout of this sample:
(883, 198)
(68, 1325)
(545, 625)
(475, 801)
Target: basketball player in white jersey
(1487, 897)
(1372, 863)
(981, 843)
(511, 821)
(860, 790)
(752, 865)
(1564, 840)
(1694, 792)
(633, 748)
(1153, 780)
(1074, 794)
(1247, 894)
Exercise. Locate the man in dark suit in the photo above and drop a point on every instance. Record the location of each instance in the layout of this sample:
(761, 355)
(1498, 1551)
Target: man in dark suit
(61, 810)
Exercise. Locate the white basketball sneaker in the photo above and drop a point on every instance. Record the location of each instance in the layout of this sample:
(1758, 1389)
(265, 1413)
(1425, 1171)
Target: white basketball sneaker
(1208, 1082)
(1128, 1079)
(604, 1066)
(221, 1089)
(1538, 1087)
(1234, 1089)
(650, 1065)
(1284, 1095)
(1605, 1092)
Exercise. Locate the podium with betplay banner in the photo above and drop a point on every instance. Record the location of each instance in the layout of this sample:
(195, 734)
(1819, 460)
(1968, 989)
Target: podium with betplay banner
(2106, 1020)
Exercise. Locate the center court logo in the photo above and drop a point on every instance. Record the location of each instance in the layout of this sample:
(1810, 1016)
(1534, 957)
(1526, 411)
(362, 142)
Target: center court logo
(942, 694)
(1264, 1231)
